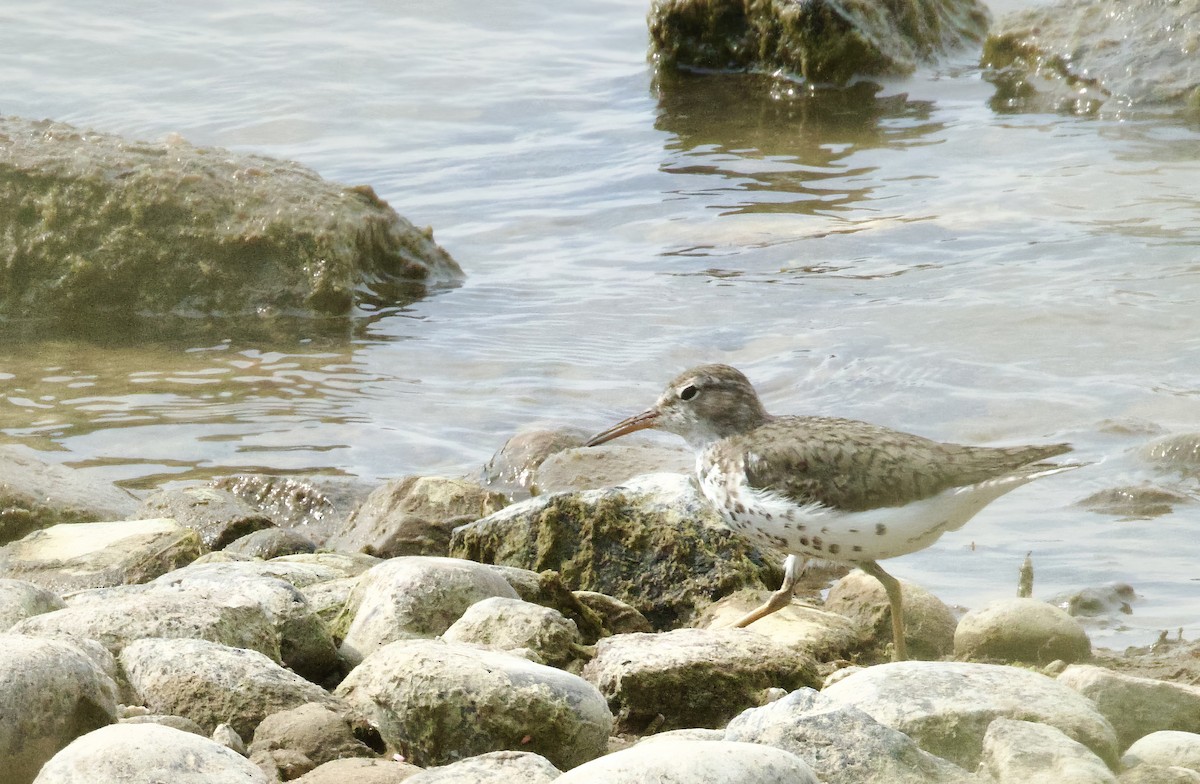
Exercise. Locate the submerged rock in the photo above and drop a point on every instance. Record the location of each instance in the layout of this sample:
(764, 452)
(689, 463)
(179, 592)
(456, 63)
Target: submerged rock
(1079, 55)
(822, 41)
(93, 224)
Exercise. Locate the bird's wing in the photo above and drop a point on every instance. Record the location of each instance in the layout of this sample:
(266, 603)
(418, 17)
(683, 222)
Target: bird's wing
(852, 466)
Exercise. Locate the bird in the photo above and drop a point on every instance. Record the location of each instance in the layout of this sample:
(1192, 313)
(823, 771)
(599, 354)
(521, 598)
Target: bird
(828, 488)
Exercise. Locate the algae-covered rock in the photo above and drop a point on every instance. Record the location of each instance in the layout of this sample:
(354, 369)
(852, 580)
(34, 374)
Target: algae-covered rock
(1078, 55)
(653, 542)
(93, 224)
(823, 41)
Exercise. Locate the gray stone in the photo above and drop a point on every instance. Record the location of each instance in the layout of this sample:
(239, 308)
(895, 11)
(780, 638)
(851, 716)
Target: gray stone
(125, 753)
(694, 762)
(1158, 774)
(1137, 502)
(618, 617)
(167, 720)
(332, 566)
(509, 624)
(511, 469)
(1023, 752)
(133, 615)
(360, 771)
(99, 225)
(822, 41)
(1136, 706)
(823, 634)
(842, 744)
(494, 767)
(653, 542)
(692, 677)
(1166, 748)
(928, 623)
(946, 707)
(414, 516)
(51, 692)
(272, 543)
(1025, 630)
(35, 494)
(76, 556)
(613, 464)
(437, 701)
(413, 596)
(312, 506)
(212, 684)
(1077, 55)
(314, 730)
(218, 516)
(20, 599)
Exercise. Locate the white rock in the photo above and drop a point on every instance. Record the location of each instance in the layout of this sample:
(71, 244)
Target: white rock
(127, 753)
(1022, 752)
(436, 701)
(694, 762)
(1167, 748)
(1136, 706)
(495, 767)
(946, 707)
(51, 691)
(413, 597)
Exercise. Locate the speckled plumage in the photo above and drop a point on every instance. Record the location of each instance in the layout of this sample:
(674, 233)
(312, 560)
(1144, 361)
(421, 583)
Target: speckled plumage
(823, 487)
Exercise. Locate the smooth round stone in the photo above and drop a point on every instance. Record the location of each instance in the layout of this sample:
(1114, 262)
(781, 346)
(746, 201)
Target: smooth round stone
(1025, 630)
(694, 762)
(1167, 748)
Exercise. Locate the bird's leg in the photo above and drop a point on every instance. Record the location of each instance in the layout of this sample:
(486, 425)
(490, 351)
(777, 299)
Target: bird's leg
(792, 569)
(892, 586)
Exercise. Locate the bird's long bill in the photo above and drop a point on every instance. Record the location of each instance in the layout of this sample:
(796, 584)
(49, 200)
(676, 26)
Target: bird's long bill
(642, 421)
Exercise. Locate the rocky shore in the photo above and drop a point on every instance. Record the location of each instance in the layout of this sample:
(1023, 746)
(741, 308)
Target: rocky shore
(454, 630)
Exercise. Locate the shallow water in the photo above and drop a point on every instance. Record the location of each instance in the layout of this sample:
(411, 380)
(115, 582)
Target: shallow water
(912, 258)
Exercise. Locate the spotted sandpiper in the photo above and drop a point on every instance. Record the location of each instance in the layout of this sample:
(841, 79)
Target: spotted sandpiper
(827, 488)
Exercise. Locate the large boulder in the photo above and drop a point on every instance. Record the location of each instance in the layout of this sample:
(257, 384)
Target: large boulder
(51, 692)
(1136, 706)
(1078, 55)
(437, 701)
(1025, 752)
(35, 494)
(823, 41)
(1021, 629)
(653, 542)
(95, 224)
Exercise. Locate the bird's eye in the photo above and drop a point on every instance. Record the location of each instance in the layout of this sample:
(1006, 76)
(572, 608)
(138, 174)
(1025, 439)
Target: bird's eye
(688, 392)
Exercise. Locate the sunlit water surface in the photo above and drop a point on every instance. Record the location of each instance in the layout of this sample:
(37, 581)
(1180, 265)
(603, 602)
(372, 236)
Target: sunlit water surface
(912, 258)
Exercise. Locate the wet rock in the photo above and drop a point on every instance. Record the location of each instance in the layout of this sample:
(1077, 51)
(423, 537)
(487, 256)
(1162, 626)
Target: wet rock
(824, 635)
(219, 517)
(822, 41)
(124, 753)
(1181, 452)
(1165, 748)
(75, 556)
(211, 683)
(1134, 502)
(133, 615)
(414, 516)
(411, 597)
(842, 744)
(946, 706)
(51, 691)
(653, 542)
(928, 623)
(20, 600)
(35, 495)
(313, 731)
(512, 624)
(312, 506)
(692, 677)
(609, 465)
(272, 543)
(1107, 603)
(1024, 630)
(1023, 752)
(694, 762)
(1078, 55)
(360, 771)
(99, 225)
(436, 701)
(618, 617)
(495, 767)
(511, 470)
(1136, 706)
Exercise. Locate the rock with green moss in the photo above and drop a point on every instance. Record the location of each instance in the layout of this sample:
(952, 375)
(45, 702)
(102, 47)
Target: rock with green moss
(92, 224)
(653, 542)
(1078, 56)
(822, 41)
